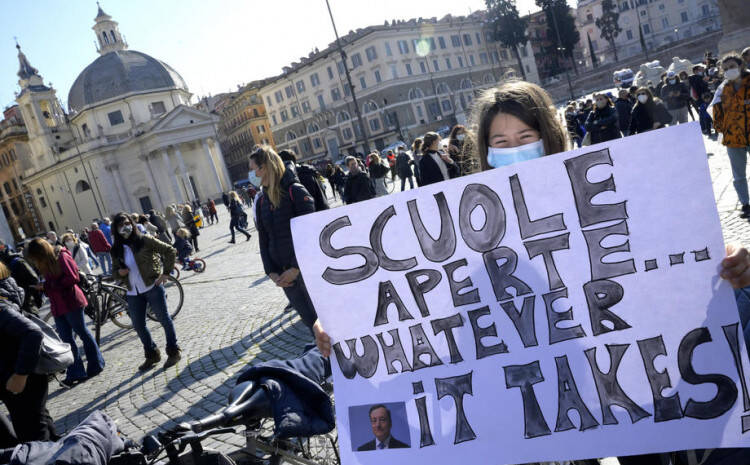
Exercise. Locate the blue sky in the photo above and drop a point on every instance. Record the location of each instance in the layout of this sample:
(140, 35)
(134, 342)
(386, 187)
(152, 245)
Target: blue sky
(214, 45)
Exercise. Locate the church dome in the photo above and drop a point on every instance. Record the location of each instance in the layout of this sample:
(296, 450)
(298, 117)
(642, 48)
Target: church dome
(121, 72)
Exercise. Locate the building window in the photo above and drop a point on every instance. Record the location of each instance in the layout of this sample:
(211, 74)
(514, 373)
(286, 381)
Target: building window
(661, 7)
(321, 102)
(624, 6)
(377, 76)
(629, 34)
(42, 202)
(441, 42)
(643, 12)
(347, 90)
(394, 72)
(403, 47)
(115, 118)
(356, 60)
(422, 67)
(362, 83)
(59, 208)
(347, 133)
(273, 118)
(448, 63)
(408, 69)
(456, 41)
(305, 107)
(496, 57)
(268, 100)
(289, 90)
(335, 94)
(158, 108)
(284, 116)
(483, 58)
(435, 65)
(388, 51)
(317, 144)
(706, 10)
(471, 59)
(665, 22)
(371, 53)
(467, 40)
(374, 124)
(524, 52)
(460, 62)
(684, 16)
(14, 207)
(261, 129)
(314, 80)
(295, 111)
(6, 186)
(279, 96)
(255, 113)
(330, 72)
(300, 86)
(82, 186)
(340, 67)
(447, 105)
(646, 29)
(589, 17)
(477, 37)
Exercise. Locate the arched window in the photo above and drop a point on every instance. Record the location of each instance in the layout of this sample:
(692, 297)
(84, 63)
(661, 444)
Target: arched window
(343, 116)
(104, 35)
(6, 186)
(38, 192)
(6, 160)
(313, 128)
(369, 107)
(465, 84)
(82, 186)
(443, 88)
(255, 112)
(112, 34)
(416, 93)
(290, 136)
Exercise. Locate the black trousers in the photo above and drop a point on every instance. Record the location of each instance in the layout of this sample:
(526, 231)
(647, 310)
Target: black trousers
(234, 223)
(300, 300)
(28, 411)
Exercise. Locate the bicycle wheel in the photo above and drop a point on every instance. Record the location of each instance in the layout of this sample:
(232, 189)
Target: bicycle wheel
(389, 183)
(116, 307)
(175, 296)
(175, 273)
(199, 265)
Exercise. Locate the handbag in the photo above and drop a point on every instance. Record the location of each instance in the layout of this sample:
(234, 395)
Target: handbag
(55, 355)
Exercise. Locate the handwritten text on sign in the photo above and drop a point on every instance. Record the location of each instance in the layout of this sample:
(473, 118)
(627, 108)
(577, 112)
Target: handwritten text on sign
(567, 307)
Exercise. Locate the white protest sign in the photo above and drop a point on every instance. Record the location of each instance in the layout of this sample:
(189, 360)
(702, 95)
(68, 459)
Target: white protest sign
(563, 308)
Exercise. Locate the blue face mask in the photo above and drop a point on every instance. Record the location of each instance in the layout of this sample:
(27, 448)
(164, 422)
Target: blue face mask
(508, 156)
(253, 178)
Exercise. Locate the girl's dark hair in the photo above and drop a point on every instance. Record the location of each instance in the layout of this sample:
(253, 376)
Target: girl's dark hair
(416, 146)
(429, 139)
(527, 102)
(135, 241)
(454, 132)
(609, 100)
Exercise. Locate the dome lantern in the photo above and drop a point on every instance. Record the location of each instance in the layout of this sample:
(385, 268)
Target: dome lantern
(107, 33)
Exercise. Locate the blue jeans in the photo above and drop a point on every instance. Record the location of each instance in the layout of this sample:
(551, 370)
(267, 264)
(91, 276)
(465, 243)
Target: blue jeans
(743, 306)
(738, 160)
(403, 183)
(105, 258)
(137, 311)
(66, 325)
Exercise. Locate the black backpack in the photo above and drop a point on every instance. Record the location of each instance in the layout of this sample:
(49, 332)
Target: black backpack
(308, 178)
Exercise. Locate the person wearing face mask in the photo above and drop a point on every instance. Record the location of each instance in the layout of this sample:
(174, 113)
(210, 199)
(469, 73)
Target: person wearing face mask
(675, 94)
(732, 119)
(435, 166)
(575, 132)
(457, 145)
(78, 250)
(648, 113)
(624, 107)
(142, 263)
(67, 302)
(602, 122)
(698, 83)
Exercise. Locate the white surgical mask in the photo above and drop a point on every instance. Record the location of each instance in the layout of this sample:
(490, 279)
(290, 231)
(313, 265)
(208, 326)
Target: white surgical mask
(460, 137)
(70, 244)
(126, 231)
(699, 73)
(672, 81)
(497, 157)
(643, 98)
(732, 74)
(253, 178)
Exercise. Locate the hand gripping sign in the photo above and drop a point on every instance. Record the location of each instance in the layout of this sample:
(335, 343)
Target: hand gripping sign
(563, 308)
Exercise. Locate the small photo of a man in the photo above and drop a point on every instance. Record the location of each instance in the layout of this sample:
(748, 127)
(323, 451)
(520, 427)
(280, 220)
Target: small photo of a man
(381, 422)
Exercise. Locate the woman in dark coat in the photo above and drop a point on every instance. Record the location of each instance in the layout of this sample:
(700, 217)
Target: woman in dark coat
(192, 225)
(235, 210)
(435, 166)
(282, 199)
(602, 121)
(67, 302)
(575, 133)
(23, 392)
(648, 113)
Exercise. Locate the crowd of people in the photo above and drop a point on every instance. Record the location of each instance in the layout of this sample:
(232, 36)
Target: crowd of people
(513, 123)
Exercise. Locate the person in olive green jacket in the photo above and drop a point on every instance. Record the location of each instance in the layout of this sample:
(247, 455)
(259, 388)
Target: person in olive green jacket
(142, 263)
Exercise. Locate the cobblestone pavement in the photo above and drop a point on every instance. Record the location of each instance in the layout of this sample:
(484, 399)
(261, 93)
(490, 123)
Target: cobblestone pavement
(232, 316)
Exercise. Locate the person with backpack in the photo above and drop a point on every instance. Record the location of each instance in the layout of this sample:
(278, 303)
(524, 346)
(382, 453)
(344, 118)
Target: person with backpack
(162, 230)
(283, 198)
(403, 166)
(236, 212)
(23, 392)
(78, 250)
(308, 177)
(67, 302)
(25, 276)
(358, 186)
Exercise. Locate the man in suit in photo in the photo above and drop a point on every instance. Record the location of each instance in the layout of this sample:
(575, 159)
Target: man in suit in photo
(380, 421)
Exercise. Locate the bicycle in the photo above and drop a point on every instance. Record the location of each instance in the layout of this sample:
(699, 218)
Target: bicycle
(193, 264)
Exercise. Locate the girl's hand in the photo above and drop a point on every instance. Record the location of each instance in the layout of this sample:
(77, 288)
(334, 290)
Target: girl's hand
(735, 267)
(288, 277)
(16, 383)
(161, 280)
(322, 339)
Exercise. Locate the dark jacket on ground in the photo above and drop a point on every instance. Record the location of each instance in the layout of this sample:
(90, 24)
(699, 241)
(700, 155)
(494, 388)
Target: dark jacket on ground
(274, 223)
(678, 101)
(624, 109)
(358, 188)
(392, 444)
(429, 171)
(20, 338)
(403, 165)
(602, 124)
(643, 117)
(308, 177)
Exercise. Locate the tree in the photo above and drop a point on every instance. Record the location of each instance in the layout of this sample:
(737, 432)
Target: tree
(507, 27)
(562, 28)
(594, 59)
(607, 24)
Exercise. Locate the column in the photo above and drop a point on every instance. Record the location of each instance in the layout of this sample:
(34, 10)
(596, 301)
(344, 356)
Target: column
(152, 183)
(123, 195)
(171, 174)
(219, 188)
(220, 156)
(185, 176)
